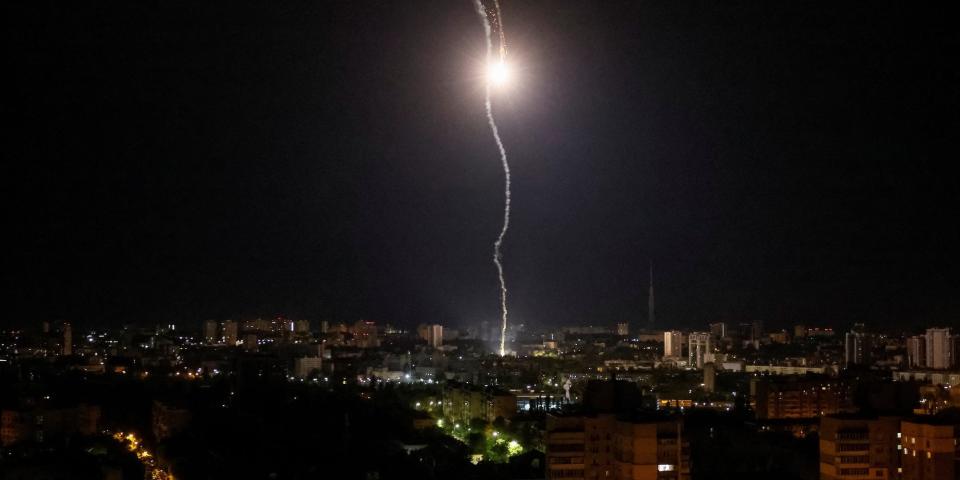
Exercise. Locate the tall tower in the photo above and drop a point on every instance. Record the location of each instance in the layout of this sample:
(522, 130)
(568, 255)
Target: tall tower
(67, 349)
(650, 312)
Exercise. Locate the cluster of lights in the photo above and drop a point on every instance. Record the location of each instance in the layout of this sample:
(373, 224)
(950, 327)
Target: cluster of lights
(135, 446)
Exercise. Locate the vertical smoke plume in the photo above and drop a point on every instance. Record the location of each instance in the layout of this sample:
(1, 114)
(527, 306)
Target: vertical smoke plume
(497, 256)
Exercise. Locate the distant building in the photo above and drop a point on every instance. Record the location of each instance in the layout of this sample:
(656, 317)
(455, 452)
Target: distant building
(799, 331)
(33, 423)
(820, 332)
(935, 377)
(938, 348)
(855, 448)
(432, 334)
(858, 347)
(303, 366)
(464, 402)
(779, 337)
(710, 377)
(623, 329)
(698, 346)
(168, 420)
(210, 330)
(917, 352)
(672, 343)
(718, 330)
(929, 449)
(258, 326)
(796, 398)
(301, 327)
(280, 326)
(67, 339)
(231, 333)
(250, 342)
(603, 446)
(778, 369)
(365, 334)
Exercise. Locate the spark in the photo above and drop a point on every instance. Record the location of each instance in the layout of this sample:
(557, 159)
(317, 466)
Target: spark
(499, 72)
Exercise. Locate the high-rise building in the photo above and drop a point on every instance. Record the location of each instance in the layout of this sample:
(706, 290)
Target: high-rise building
(917, 351)
(756, 332)
(698, 346)
(280, 325)
(432, 334)
(672, 343)
(710, 377)
(718, 330)
(210, 330)
(231, 333)
(301, 327)
(67, 339)
(929, 449)
(605, 446)
(365, 334)
(623, 329)
(858, 347)
(303, 366)
(938, 348)
(856, 448)
(800, 332)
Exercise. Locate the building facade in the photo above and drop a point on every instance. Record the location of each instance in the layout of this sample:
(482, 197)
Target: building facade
(210, 332)
(601, 446)
(672, 344)
(432, 334)
(698, 348)
(792, 398)
(917, 352)
(856, 448)
(858, 348)
(938, 348)
(40, 424)
(930, 450)
(465, 402)
(231, 333)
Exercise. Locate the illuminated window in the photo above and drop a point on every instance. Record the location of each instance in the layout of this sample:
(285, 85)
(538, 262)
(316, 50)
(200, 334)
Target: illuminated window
(929, 455)
(665, 467)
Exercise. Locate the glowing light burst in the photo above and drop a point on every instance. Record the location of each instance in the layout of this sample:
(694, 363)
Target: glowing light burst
(497, 72)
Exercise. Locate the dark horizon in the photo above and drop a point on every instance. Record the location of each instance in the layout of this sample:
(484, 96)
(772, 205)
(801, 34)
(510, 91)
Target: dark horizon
(780, 163)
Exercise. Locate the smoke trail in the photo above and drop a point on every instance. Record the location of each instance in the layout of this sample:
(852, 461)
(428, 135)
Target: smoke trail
(497, 256)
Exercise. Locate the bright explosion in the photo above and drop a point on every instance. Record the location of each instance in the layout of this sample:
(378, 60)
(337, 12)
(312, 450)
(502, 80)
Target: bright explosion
(498, 73)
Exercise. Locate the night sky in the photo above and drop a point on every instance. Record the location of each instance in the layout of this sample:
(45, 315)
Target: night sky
(787, 162)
